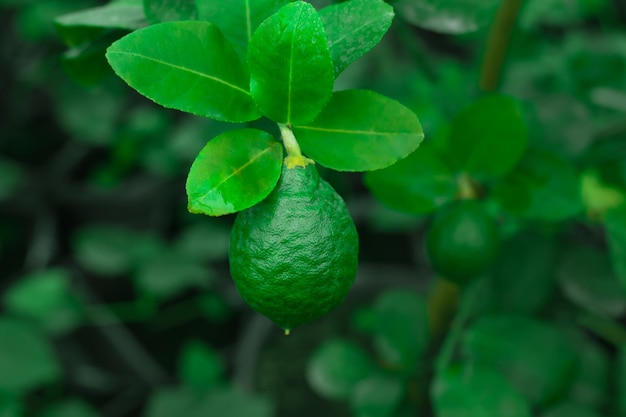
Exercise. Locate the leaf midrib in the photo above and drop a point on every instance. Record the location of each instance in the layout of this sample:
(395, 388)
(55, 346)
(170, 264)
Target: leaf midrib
(184, 69)
(357, 132)
(236, 171)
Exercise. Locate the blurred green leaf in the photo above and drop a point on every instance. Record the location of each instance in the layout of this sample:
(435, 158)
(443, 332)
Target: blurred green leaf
(597, 196)
(27, 360)
(204, 241)
(377, 396)
(360, 130)
(206, 80)
(620, 398)
(90, 115)
(70, 408)
(105, 250)
(474, 391)
(553, 186)
(86, 63)
(173, 402)
(170, 10)
(45, 297)
(227, 177)
(615, 228)
(401, 333)
(590, 384)
(523, 287)
(199, 366)
(353, 28)
(384, 219)
(238, 19)
(78, 27)
(229, 402)
(214, 307)
(561, 13)
(568, 409)
(10, 406)
(291, 72)
(489, 137)
(336, 367)
(11, 178)
(418, 184)
(452, 16)
(169, 273)
(586, 277)
(224, 402)
(533, 355)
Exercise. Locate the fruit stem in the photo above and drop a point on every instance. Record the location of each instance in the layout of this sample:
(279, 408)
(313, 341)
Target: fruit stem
(294, 154)
(465, 187)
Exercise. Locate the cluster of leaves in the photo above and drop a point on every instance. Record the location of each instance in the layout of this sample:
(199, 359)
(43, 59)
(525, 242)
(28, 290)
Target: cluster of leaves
(277, 60)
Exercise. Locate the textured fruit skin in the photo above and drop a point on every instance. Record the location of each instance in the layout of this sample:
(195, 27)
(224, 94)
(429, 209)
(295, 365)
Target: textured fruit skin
(462, 241)
(294, 255)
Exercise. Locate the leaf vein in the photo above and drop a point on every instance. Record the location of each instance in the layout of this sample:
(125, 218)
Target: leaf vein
(178, 67)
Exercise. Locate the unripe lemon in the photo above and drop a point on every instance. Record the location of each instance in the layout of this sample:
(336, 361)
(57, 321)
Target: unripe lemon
(293, 256)
(462, 241)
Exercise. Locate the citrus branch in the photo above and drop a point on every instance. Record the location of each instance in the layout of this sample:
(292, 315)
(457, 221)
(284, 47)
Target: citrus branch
(498, 43)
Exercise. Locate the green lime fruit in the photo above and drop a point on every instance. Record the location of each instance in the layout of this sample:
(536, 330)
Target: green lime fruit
(294, 255)
(462, 241)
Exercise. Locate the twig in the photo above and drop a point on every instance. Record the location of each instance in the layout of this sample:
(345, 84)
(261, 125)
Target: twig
(498, 43)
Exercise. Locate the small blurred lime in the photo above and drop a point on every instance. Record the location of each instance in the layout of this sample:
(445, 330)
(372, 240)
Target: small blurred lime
(294, 255)
(462, 241)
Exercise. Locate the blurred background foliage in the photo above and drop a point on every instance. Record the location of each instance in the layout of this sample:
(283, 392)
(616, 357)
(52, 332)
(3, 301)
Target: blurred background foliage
(117, 302)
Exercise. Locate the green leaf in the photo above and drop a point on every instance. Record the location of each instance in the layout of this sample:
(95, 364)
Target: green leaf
(621, 383)
(170, 10)
(418, 184)
(587, 279)
(554, 186)
(523, 287)
(199, 366)
(360, 130)
(234, 171)
(103, 249)
(590, 384)
(452, 16)
(86, 64)
(353, 28)
(401, 333)
(70, 408)
(376, 396)
(10, 406)
(168, 274)
(208, 79)
(474, 391)
(488, 137)
(597, 196)
(78, 27)
(46, 298)
(291, 71)
(176, 401)
(533, 355)
(204, 241)
(26, 359)
(11, 178)
(615, 228)
(229, 402)
(336, 367)
(92, 115)
(568, 409)
(238, 19)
